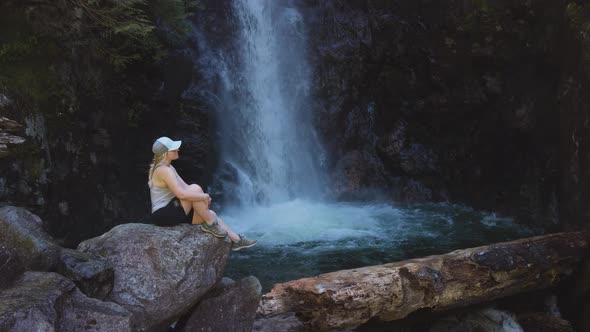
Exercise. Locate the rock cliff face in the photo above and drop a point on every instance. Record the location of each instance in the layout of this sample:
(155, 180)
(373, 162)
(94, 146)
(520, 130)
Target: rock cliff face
(83, 166)
(479, 102)
(476, 102)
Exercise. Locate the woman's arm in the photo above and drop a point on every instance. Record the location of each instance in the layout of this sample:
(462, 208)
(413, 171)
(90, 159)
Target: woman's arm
(177, 186)
(178, 177)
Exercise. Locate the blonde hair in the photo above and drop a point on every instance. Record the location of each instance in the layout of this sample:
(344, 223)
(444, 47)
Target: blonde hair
(155, 162)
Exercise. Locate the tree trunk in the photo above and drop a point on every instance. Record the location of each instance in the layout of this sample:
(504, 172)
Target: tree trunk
(349, 298)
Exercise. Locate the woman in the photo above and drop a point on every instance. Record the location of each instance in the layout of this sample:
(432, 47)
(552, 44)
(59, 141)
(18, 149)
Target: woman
(174, 201)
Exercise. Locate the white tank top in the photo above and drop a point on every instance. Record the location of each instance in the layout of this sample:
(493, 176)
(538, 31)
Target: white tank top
(160, 196)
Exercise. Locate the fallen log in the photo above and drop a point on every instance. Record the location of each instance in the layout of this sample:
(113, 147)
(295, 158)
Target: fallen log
(349, 298)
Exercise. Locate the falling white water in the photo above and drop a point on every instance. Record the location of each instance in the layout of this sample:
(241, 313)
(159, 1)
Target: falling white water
(269, 141)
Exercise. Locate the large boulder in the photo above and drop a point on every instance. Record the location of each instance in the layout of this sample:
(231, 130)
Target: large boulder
(160, 272)
(82, 313)
(32, 304)
(91, 273)
(23, 231)
(46, 301)
(231, 308)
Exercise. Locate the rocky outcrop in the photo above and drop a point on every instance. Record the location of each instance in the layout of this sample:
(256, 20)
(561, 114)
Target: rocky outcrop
(483, 102)
(477, 102)
(350, 298)
(357, 175)
(160, 273)
(24, 245)
(544, 322)
(92, 274)
(284, 323)
(32, 304)
(148, 277)
(489, 320)
(82, 313)
(88, 115)
(10, 266)
(231, 307)
(45, 301)
(10, 133)
(23, 232)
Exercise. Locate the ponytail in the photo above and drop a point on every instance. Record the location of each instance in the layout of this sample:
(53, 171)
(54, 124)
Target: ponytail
(155, 162)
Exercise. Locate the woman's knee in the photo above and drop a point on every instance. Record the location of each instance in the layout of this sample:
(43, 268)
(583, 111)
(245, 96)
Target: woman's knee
(213, 214)
(195, 187)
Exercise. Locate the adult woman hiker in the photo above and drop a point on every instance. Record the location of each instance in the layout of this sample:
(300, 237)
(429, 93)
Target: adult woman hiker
(174, 201)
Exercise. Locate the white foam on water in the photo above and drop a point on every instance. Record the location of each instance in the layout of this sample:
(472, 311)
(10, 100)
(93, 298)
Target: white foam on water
(301, 220)
(491, 220)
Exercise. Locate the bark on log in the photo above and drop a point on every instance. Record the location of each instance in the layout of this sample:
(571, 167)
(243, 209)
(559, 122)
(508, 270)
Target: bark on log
(349, 298)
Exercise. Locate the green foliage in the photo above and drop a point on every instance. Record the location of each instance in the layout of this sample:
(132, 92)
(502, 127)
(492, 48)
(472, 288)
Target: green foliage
(577, 16)
(483, 16)
(172, 15)
(24, 65)
(134, 29)
(37, 35)
(481, 5)
(120, 30)
(134, 113)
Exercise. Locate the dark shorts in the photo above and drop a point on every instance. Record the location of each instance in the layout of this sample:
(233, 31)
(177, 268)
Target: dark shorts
(171, 215)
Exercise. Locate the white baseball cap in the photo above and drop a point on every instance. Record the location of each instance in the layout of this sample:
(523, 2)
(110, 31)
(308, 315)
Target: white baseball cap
(165, 144)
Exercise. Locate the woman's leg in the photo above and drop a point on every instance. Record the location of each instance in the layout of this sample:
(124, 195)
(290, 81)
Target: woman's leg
(201, 208)
(238, 242)
(232, 235)
(202, 213)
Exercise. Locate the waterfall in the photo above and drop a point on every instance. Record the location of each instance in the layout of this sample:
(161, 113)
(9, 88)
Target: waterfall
(267, 135)
(253, 70)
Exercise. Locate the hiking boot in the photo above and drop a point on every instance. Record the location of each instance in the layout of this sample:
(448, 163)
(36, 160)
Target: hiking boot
(214, 229)
(243, 243)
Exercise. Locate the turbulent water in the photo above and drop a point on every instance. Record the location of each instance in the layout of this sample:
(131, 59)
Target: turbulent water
(272, 167)
(305, 238)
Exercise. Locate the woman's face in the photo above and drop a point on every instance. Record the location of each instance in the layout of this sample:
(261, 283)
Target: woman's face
(172, 154)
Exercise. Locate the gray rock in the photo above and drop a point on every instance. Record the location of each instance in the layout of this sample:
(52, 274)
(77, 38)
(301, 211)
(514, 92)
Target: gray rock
(232, 307)
(357, 174)
(160, 272)
(544, 321)
(82, 313)
(392, 144)
(4, 101)
(22, 231)
(92, 274)
(418, 159)
(10, 266)
(9, 131)
(488, 319)
(285, 323)
(10, 126)
(47, 301)
(411, 191)
(32, 304)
